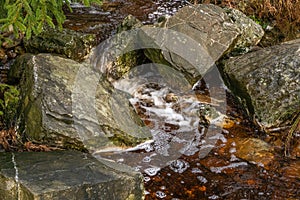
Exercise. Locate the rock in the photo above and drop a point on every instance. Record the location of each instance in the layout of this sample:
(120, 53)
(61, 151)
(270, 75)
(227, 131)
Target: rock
(72, 44)
(251, 32)
(130, 22)
(68, 104)
(252, 150)
(128, 58)
(268, 83)
(66, 175)
(218, 32)
(291, 170)
(255, 151)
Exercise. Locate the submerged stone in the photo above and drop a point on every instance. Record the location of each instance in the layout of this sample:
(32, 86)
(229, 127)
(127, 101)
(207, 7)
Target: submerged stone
(66, 175)
(268, 83)
(252, 150)
(68, 104)
(292, 170)
(256, 151)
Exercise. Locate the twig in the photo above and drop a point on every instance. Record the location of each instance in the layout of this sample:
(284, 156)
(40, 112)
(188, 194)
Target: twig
(290, 136)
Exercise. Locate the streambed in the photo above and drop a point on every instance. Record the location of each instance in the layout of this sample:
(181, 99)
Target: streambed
(239, 162)
(173, 164)
(194, 154)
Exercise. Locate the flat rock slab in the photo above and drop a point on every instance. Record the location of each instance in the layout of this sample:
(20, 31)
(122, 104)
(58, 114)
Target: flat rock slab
(65, 175)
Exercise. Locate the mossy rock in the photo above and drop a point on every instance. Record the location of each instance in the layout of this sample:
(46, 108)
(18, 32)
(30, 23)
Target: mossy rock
(69, 104)
(267, 82)
(68, 43)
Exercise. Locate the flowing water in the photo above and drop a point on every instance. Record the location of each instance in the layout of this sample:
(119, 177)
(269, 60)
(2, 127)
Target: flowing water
(199, 149)
(103, 20)
(173, 165)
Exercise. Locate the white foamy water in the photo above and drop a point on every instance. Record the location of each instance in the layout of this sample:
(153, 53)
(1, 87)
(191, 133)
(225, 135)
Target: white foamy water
(177, 118)
(179, 166)
(174, 114)
(161, 194)
(152, 171)
(230, 166)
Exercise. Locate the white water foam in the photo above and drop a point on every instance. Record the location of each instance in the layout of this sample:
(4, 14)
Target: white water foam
(16, 176)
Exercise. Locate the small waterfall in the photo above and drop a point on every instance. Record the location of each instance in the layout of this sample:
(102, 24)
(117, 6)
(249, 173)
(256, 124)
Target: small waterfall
(16, 176)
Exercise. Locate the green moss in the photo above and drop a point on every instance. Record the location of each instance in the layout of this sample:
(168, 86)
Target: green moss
(3, 11)
(9, 103)
(259, 21)
(34, 116)
(120, 138)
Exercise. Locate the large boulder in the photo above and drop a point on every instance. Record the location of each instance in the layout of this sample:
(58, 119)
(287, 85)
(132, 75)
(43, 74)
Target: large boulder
(66, 103)
(66, 175)
(116, 56)
(197, 36)
(268, 83)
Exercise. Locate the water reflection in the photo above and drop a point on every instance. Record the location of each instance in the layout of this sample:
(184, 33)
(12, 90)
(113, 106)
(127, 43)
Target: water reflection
(171, 164)
(220, 174)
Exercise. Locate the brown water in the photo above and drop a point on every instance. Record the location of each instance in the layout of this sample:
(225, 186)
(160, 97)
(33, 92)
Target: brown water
(172, 164)
(171, 173)
(243, 162)
(103, 20)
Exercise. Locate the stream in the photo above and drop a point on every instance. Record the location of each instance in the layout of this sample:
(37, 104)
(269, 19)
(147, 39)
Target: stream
(204, 145)
(191, 156)
(173, 164)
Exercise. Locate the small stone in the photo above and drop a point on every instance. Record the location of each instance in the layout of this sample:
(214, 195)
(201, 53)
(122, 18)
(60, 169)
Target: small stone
(255, 151)
(171, 97)
(292, 170)
(3, 55)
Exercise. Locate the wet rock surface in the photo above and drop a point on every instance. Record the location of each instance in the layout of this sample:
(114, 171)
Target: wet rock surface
(242, 163)
(218, 32)
(72, 44)
(250, 32)
(252, 150)
(267, 81)
(65, 175)
(127, 54)
(62, 104)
